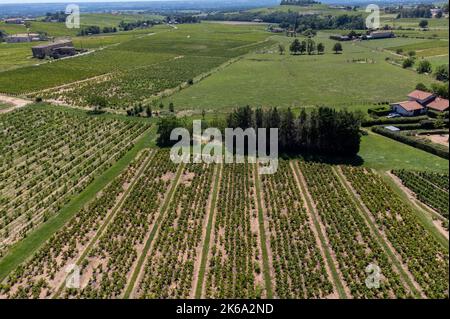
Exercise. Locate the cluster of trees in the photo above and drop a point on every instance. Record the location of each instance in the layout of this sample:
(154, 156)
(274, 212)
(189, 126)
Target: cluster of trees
(93, 29)
(420, 11)
(3, 35)
(298, 2)
(128, 26)
(424, 66)
(59, 16)
(320, 131)
(182, 19)
(435, 88)
(308, 46)
(295, 20)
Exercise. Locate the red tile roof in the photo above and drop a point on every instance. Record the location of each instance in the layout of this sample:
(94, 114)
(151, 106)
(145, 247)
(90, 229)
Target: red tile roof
(420, 95)
(439, 104)
(410, 105)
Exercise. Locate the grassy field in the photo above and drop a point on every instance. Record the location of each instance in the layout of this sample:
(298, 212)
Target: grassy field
(269, 79)
(57, 29)
(165, 59)
(382, 153)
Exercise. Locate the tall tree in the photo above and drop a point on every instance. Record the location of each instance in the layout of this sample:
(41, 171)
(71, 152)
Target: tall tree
(337, 47)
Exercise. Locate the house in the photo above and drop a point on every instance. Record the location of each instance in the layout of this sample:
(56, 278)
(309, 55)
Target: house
(408, 108)
(438, 105)
(436, 12)
(380, 35)
(421, 97)
(23, 37)
(41, 51)
(14, 21)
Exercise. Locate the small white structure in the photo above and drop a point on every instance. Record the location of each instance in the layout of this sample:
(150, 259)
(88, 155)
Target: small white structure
(392, 128)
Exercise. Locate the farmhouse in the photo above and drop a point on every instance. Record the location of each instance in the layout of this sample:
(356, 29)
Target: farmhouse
(14, 21)
(419, 102)
(421, 97)
(380, 35)
(408, 108)
(23, 37)
(41, 51)
(438, 105)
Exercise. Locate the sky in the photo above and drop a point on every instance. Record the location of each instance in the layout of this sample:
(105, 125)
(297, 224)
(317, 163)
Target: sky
(68, 1)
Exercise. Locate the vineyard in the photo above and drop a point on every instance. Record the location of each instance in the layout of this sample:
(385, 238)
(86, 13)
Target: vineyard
(163, 230)
(430, 188)
(426, 259)
(50, 156)
(138, 69)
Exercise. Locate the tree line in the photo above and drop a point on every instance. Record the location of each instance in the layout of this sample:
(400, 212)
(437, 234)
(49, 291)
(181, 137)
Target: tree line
(296, 21)
(321, 131)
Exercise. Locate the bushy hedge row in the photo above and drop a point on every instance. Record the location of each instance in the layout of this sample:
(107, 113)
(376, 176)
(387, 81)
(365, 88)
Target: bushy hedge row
(396, 120)
(430, 148)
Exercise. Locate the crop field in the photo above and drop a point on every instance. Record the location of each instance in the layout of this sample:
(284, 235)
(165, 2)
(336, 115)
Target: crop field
(48, 157)
(354, 79)
(162, 230)
(136, 70)
(430, 188)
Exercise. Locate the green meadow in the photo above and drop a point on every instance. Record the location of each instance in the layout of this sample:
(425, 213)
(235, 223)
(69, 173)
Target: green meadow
(383, 153)
(357, 78)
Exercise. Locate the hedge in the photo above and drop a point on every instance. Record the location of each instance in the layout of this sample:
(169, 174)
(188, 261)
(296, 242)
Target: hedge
(395, 120)
(430, 148)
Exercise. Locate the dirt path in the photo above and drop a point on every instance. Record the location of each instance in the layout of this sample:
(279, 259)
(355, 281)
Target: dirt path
(335, 294)
(264, 236)
(400, 267)
(436, 217)
(329, 256)
(15, 103)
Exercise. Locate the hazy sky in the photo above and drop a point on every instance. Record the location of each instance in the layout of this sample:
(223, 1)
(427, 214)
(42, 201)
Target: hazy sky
(75, 1)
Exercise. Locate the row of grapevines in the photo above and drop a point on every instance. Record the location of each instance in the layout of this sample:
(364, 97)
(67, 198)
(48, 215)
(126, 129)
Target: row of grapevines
(107, 268)
(426, 189)
(235, 265)
(41, 276)
(298, 265)
(49, 156)
(349, 236)
(169, 271)
(426, 258)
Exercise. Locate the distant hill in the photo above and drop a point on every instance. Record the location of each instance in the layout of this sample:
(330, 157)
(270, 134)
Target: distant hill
(298, 2)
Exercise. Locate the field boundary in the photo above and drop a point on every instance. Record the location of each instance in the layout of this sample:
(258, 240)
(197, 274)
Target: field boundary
(423, 217)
